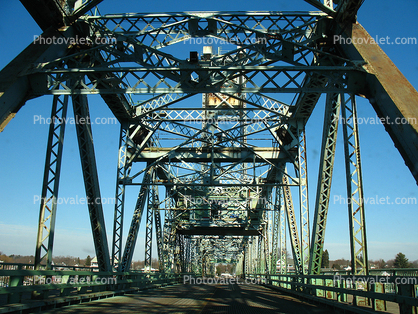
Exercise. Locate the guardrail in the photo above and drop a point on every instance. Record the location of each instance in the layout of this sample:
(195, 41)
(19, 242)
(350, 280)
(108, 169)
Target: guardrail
(362, 293)
(22, 287)
(15, 266)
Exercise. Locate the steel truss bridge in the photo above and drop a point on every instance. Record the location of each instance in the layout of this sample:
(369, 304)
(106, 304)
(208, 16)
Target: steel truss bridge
(215, 144)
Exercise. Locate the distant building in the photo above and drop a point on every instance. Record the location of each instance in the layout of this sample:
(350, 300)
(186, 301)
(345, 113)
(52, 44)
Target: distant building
(94, 262)
(148, 269)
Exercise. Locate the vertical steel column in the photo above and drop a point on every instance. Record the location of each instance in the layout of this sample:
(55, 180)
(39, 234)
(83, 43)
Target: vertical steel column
(329, 140)
(259, 247)
(135, 223)
(197, 257)
(254, 255)
(120, 196)
(150, 213)
(270, 214)
(283, 242)
(293, 228)
(50, 186)
(193, 247)
(266, 252)
(181, 252)
(276, 232)
(251, 255)
(303, 198)
(204, 257)
(158, 234)
(91, 180)
(168, 232)
(247, 259)
(187, 255)
(355, 197)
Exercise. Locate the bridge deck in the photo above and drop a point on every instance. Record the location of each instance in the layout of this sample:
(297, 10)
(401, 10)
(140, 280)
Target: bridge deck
(199, 299)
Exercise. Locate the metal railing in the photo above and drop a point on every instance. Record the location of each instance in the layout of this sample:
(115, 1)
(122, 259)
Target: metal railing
(22, 287)
(362, 293)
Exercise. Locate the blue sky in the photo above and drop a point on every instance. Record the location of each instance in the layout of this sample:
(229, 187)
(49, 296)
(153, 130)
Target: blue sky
(390, 228)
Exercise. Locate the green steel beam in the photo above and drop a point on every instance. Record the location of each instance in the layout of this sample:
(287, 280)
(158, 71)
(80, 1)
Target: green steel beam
(152, 203)
(293, 228)
(135, 223)
(302, 170)
(122, 173)
(16, 87)
(159, 238)
(50, 187)
(276, 234)
(282, 222)
(91, 180)
(329, 140)
(355, 196)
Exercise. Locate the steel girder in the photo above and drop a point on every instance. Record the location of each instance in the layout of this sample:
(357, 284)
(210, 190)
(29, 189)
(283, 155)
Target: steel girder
(325, 6)
(15, 87)
(81, 9)
(266, 250)
(122, 172)
(247, 258)
(275, 236)
(91, 180)
(55, 14)
(159, 239)
(345, 11)
(49, 195)
(282, 223)
(169, 230)
(141, 32)
(355, 196)
(152, 206)
(47, 13)
(259, 254)
(302, 170)
(392, 96)
(293, 229)
(329, 140)
(136, 222)
(357, 225)
(280, 79)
